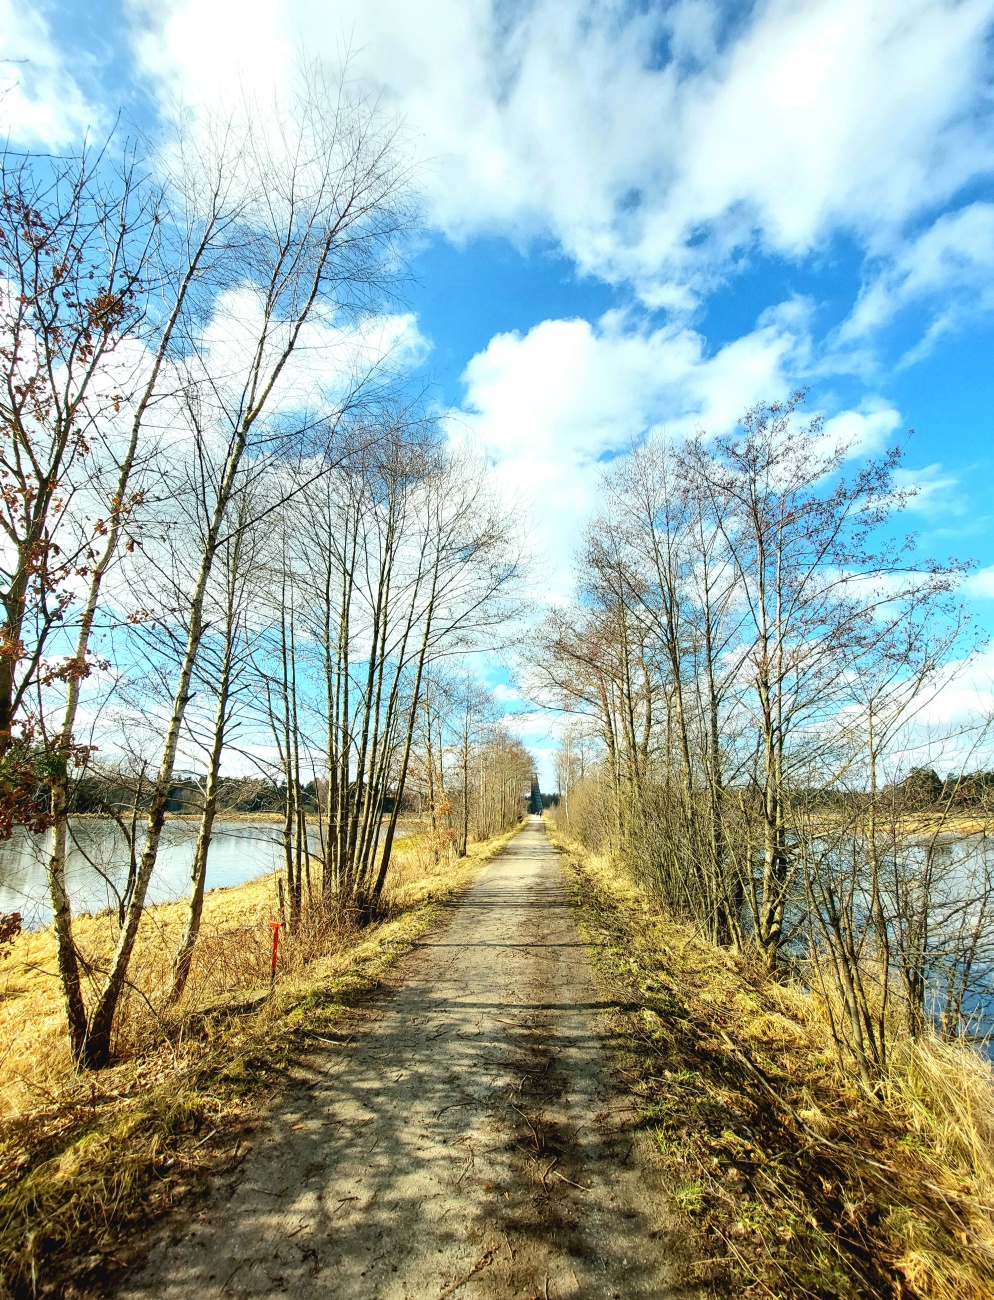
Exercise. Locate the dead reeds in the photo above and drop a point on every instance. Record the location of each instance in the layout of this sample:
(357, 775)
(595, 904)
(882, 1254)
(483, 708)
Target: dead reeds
(794, 1180)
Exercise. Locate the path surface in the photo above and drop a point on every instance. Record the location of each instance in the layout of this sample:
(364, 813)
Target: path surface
(469, 1142)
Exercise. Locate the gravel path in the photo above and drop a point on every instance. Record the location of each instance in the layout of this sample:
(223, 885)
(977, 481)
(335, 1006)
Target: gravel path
(471, 1141)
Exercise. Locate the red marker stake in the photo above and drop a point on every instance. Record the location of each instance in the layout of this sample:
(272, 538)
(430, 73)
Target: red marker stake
(275, 927)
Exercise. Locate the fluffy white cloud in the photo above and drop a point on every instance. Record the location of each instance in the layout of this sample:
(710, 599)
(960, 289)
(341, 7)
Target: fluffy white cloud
(652, 143)
(592, 389)
(865, 431)
(953, 730)
(328, 361)
(980, 584)
(40, 101)
(554, 405)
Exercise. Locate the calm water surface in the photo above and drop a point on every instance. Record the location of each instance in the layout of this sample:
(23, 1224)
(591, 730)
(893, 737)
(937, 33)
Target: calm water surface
(97, 865)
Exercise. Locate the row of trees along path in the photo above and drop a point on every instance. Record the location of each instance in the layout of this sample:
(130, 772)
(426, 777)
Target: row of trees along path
(228, 529)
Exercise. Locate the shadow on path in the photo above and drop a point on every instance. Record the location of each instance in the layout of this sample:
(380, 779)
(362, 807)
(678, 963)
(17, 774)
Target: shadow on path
(470, 1140)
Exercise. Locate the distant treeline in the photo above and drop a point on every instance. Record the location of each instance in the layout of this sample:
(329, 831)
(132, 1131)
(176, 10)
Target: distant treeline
(102, 793)
(919, 791)
(923, 788)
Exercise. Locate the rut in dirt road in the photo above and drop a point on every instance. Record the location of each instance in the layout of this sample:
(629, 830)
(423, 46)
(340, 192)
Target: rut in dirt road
(471, 1141)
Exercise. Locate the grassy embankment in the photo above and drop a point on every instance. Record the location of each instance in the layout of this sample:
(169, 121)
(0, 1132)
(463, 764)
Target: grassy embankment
(85, 1158)
(792, 1181)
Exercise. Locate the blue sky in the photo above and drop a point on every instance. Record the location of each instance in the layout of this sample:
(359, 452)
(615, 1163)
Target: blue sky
(637, 215)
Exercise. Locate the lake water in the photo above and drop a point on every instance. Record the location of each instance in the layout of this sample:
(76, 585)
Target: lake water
(937, 898)
(97, 864)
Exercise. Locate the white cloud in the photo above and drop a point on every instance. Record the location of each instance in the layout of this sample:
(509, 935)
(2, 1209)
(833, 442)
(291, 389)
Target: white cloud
(595, 388)
(980, 585)
(553, 405)
(40, 101)
(933, 488)
(507, 694)
(953, 730)
(651, 144)
(325, 362)
(550, 404)
(952, 261)
(866, 431)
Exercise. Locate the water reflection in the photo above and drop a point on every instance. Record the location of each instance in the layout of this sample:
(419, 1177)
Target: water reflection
(931, 896)
(97, 865)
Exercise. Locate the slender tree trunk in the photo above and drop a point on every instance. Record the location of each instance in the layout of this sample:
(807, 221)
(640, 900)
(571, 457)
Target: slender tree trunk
(97, 1050)
(61, 909)
(72, 992)
(198, 871)
(402, 775)
(464, 841)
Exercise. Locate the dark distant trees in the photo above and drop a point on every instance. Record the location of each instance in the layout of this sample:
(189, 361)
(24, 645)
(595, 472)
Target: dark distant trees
(921, 789)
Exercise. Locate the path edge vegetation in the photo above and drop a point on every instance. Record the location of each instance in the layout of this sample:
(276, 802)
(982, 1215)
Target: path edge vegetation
(791, 1181)
(74, 1213)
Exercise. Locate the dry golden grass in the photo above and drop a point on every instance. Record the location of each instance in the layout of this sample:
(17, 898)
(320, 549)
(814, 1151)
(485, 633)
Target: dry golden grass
(924, 823)
(84, 1157)
(232, 957)
(794, 1181)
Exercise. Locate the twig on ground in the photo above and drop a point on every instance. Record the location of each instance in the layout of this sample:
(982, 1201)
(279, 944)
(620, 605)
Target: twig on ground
(535, 1137)
(571, 1182)
(212, 1133)
(478, 1267)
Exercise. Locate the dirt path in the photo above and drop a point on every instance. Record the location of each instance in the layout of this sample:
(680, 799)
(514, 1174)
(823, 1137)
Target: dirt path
(469, 1142)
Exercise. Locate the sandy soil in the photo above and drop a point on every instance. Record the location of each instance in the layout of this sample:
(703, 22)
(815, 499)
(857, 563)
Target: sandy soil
(470, 1140)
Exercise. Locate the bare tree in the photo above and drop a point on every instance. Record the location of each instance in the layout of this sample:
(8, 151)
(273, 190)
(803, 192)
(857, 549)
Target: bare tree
(755, 649)
(319, 197)
(226, 672)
